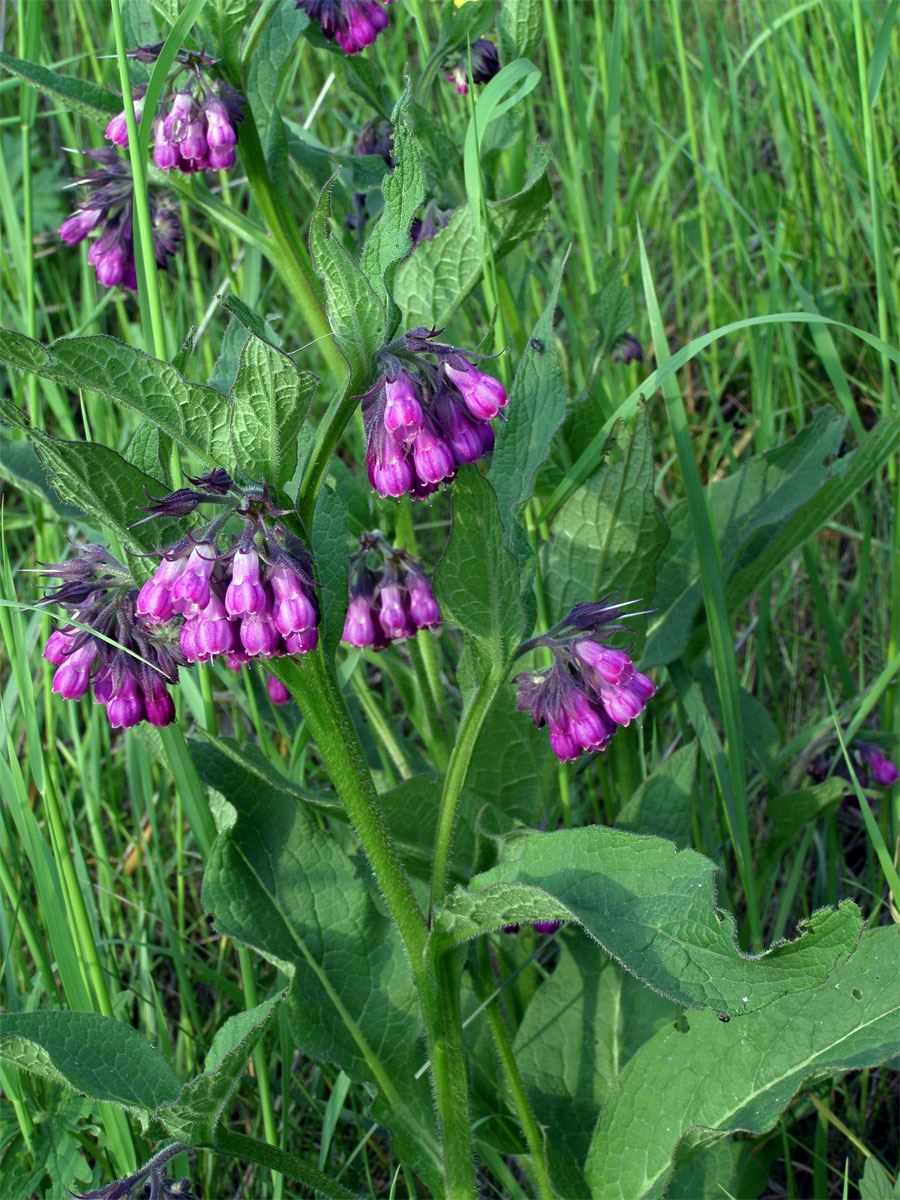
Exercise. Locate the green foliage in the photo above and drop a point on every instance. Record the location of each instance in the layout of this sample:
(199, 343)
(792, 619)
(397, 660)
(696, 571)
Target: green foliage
(270, 400)
(521, 27)
(663, 804)
(758, 1061)
(653, 909)
(88, 99)
(266, 68)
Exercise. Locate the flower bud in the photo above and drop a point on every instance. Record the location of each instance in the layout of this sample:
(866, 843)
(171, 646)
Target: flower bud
(59, 646)
(359, 627)
(483, 394)
(71, 678)
(614, 666)
(80, 224)
(245, 594)
(159, 707)
(190, 591)
(278, 693)
(125, 707)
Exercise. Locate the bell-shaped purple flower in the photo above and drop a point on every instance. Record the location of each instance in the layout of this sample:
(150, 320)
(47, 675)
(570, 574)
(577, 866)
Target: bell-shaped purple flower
(613, 666)
(390, 471)
(125, 706)
(190, 590)
(245, 593)
(159, 707)
(392, 616)
(884, 772)
(76, 228)
(292, 610)
(402, 411)
(546, 927)
(214, 633)
(359, 624)
(165, 152)
(278, 693)
(432, 457)
(117, 129)
(302, 643)
(423, 607)
(220, 133)
(59, 646)
(259, 635)
(179, 116)
(483, 394)
(72, 677)
(154, 602)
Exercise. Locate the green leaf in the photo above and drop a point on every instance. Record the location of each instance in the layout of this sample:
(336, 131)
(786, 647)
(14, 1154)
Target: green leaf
(663, 804)
(438, 276)
(759, 496)
(89, 99)
(96, 1055)
(581, 1027)
(145, 451)
(198, 1109)
(271, 398)
(230, 766)
(275, 47)
(461, 23)
(875, 1184)
(740, 1075)
(537, 406)
(20, 465)
(509, 760)
(521, 27)
(195, 416)
(278, 883)
(355, 313)
(610, 533)
(331, 551)
(404, 192)
(477, 580)
(790, 813)
(227, 21)
(653, 909)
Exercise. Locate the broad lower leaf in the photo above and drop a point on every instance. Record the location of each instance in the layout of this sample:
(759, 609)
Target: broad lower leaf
(229, 766)
(196, 1113)
(271, 399)
(195, 416)
(875, 1184)
(404, 192)
(610, 533)
(663, 804)
(278, 883)
(718, 1077)
(653, 909)
(759, 496)
(509, 760)
(438, 276)
(88, 99)
(96, 1055)
(355, 313)
(537, 406)
(581, 1027)
(477, 580)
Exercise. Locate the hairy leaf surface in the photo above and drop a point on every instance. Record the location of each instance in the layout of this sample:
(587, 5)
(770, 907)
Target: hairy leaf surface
(271, 398)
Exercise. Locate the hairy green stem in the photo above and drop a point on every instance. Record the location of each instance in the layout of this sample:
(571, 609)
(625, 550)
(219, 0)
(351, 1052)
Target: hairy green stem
(248, 1149)
(457, 770)
(328, 433)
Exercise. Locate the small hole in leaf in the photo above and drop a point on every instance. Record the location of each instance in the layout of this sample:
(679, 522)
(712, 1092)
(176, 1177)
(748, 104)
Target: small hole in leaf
(856, 993)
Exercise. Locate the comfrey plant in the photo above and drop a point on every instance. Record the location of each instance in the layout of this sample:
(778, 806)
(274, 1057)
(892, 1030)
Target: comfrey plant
(377, 843)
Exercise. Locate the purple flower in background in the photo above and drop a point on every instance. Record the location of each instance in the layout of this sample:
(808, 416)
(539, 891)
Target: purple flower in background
(485, 63)
(108, 209)
(117, 129)
(353, 24)
(591, 688)
(628, 349)
(423, 421)
(132, 665)
(391, 597)
(278, 693)
(882, 771)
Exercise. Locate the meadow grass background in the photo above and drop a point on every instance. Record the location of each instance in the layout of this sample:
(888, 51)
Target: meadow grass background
(755, 145)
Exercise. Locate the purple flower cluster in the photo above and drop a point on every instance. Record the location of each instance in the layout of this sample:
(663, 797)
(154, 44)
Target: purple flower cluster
(485, 65)
(353, 24)
(131, 667)
(198, 132)
(107, 207)
(390, 596)
(544, 927)
(253, 599)
(424, 421)
(590, 689)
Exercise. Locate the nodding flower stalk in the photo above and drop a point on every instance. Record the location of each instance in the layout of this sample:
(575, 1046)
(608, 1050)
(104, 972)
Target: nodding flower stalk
(391, 597)
(591, 688)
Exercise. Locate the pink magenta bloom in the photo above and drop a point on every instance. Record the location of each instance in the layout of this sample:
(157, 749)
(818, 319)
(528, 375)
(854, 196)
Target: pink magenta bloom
(423, 608)
(71, 678)
(191, 589)
(59, 646)
(302, 643)
(278, 693)
(159, 707)
(483, 394)
(125, 707)
(80, 224)
(432, 457)
(154, 601)
(402, 411)
(292, 610)
(359, 628)
(245, 594)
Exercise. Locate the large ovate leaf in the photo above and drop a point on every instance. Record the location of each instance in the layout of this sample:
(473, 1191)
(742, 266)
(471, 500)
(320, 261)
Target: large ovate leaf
(477, 580)
(714, 1077)
(355, 313)
(610, 533)
(581, 1027)
(521, 27)
(96, 1055)
(653, 909)
(271, 398)
(88, 99)
(197, 417)
(757, 500)
(404, 192)
(278, 883)
(537, 406)
(439, 275)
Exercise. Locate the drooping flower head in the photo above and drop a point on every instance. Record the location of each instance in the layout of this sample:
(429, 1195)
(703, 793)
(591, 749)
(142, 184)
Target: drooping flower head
(131, 664)
(195, 128)
(485, 65)
(240, 596)
(423, 421)
(391, 597)
(353, 24)
(107, 207)
(591, 688)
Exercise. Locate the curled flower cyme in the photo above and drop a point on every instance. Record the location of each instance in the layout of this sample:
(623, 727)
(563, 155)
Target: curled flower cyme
(391, 597)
